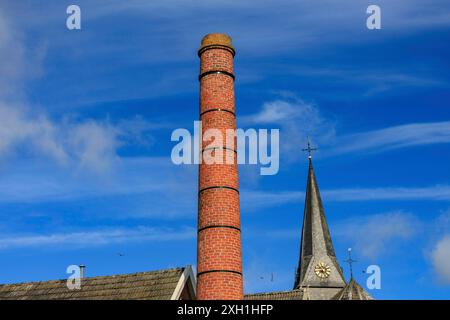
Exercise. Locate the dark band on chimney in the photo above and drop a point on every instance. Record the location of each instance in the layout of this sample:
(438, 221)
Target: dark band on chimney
(218, 187)
(211, 271)
(215, 72)
(219, 226)
(218, 109)
(217, 148)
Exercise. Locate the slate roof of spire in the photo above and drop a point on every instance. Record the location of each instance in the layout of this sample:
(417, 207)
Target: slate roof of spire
(352, 291)
(316, 244)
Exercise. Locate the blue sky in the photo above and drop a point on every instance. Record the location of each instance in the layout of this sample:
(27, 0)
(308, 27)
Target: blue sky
(86, 118)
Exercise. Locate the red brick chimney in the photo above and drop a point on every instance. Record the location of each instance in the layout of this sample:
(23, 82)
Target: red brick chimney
(219, 258)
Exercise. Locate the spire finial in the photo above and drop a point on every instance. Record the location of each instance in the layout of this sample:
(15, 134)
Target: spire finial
(309, 149)
(350, 262)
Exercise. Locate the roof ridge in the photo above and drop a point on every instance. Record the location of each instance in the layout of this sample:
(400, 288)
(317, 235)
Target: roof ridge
(275, 292)
(94, 277)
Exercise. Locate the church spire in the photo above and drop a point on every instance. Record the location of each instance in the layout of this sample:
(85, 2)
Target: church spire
(318, 266)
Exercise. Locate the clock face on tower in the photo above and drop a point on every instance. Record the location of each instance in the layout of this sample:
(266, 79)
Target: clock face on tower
(322, 270)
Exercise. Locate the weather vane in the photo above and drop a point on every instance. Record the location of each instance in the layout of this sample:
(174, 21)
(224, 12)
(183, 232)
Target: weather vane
(350, 262)
(309, 149)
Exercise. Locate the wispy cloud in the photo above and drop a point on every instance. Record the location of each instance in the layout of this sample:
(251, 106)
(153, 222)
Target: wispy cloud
(80, 143)
(19, 62)
(97, 237)
(366, 81)
(381, 82)
(296, 119)
(177, 38)
(377, 235)
(279, 111)
(88, 143)
(439, 193)
(441, 259)
(137, 187)
(253, 200)
(396, 137)
(292, 17)
(39, 186)
(91, 144)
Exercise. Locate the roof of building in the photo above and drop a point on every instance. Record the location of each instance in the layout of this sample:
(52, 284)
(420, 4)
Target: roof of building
(304, 293)
(280, 295)
(352, 291)
(151, 285)
(316, 245)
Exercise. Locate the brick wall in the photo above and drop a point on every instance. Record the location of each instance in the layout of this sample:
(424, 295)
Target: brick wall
(219, 258)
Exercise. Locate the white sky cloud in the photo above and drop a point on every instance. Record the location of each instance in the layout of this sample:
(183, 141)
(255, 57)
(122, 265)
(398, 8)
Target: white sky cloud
(296, 119)
(299, 120)
(377, 235)
(440, 192)
(253, 200)
(279, 111)
(42, 182)
(441, 259)
(74, 143)
(92, 144)
(19, 62)
(136, 188)
(395, 137)
(97, 237)
(296, 17)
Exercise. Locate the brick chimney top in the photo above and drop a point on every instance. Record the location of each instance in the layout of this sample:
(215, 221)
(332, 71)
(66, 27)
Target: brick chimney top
(216, 40)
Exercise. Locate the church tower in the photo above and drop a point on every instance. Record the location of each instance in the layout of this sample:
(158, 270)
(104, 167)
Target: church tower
(318, 276)
(318, 269)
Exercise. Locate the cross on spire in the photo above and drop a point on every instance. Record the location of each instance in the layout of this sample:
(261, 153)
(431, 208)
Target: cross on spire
(309, 149)
(350, 262)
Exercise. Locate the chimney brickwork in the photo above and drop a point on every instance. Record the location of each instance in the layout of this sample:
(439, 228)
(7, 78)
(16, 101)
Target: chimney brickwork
(219, 258)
